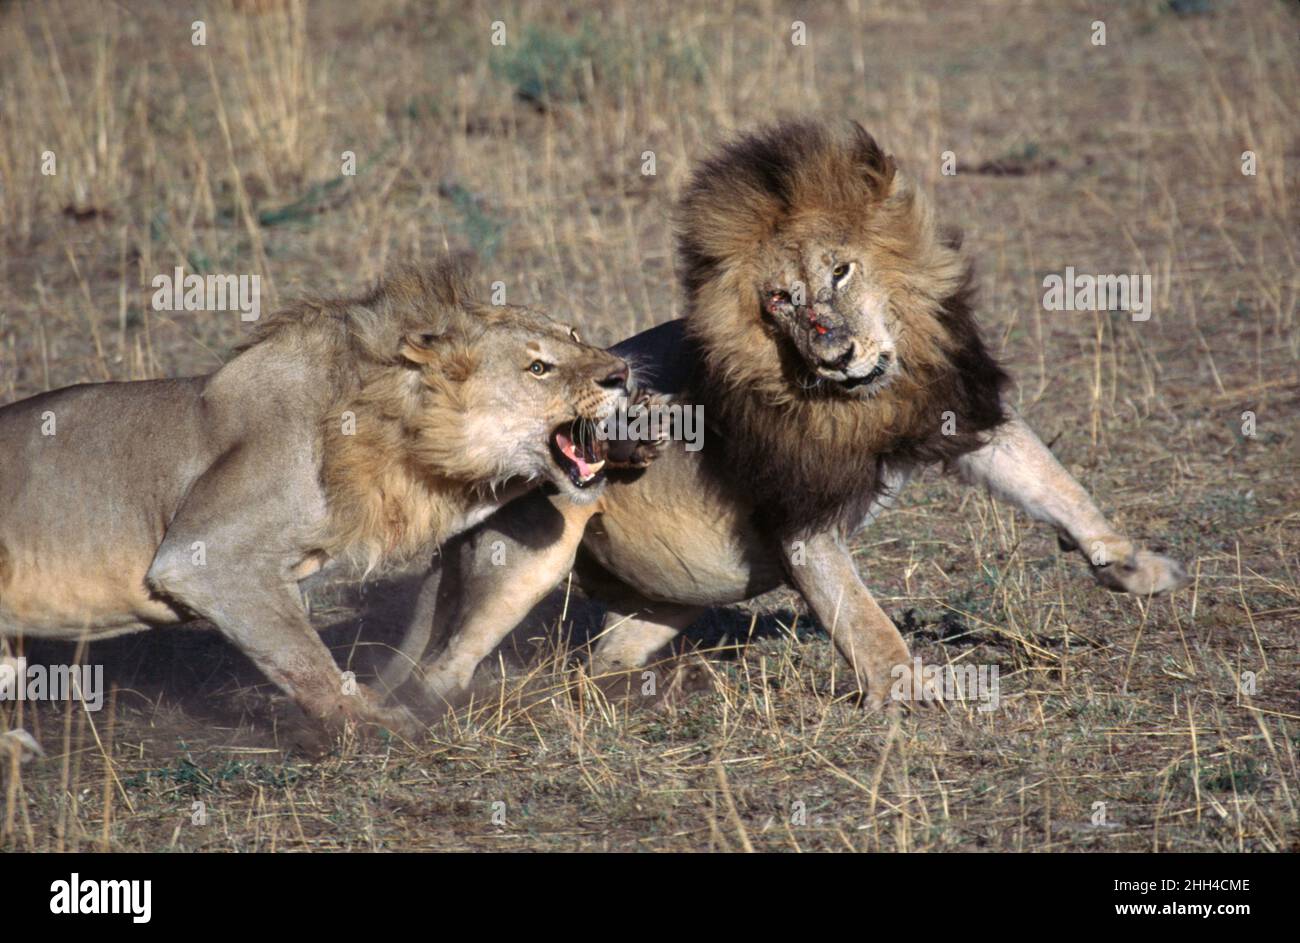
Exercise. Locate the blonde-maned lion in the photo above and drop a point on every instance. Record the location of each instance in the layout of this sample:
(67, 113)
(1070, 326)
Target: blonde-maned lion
(830, 338)
(368, 427)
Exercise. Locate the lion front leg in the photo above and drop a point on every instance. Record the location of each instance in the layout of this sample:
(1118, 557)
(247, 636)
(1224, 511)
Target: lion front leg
(231, 564)
(265, 619)
(821, 568)
(1016, 467)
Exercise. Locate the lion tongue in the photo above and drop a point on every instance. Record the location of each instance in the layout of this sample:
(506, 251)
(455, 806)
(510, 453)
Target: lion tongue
(585, 470)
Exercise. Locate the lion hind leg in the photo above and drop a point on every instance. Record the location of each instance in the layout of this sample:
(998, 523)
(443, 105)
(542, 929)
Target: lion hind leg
(637, 630)
(636, 633)
(419, 630)
(502, 571)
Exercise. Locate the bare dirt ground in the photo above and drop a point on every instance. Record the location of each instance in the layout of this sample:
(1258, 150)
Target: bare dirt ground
(1124, 724)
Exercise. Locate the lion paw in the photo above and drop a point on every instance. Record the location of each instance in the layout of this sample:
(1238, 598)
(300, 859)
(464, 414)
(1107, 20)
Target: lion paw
(640, 452)
(899, 689)
(1142, 573)
(365, 711)
(635, 454)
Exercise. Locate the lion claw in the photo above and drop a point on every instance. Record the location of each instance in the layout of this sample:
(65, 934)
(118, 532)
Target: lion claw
(639, 453)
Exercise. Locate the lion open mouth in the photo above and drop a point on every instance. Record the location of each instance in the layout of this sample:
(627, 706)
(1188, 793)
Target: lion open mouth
(583, 457)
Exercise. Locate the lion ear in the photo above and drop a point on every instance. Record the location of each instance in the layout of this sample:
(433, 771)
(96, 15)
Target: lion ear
(419, 347)
(875, 164)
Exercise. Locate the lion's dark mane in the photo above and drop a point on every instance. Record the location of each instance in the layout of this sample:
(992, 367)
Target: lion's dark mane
(809, 456)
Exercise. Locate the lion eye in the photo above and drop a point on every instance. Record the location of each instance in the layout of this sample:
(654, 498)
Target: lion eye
(539, 368)
(841, 271)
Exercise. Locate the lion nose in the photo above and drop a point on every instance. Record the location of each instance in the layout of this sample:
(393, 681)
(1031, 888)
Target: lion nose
(616, 378)
(843, 360)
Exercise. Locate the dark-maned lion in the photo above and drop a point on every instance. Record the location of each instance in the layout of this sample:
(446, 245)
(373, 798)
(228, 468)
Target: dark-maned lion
(829, 336)
(369, 427)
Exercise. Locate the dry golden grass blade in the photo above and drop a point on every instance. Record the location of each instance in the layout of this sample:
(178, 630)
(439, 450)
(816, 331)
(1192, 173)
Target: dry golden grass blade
(1122, 725)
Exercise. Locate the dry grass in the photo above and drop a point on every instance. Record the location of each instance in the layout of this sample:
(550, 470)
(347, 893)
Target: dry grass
(226, 158)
